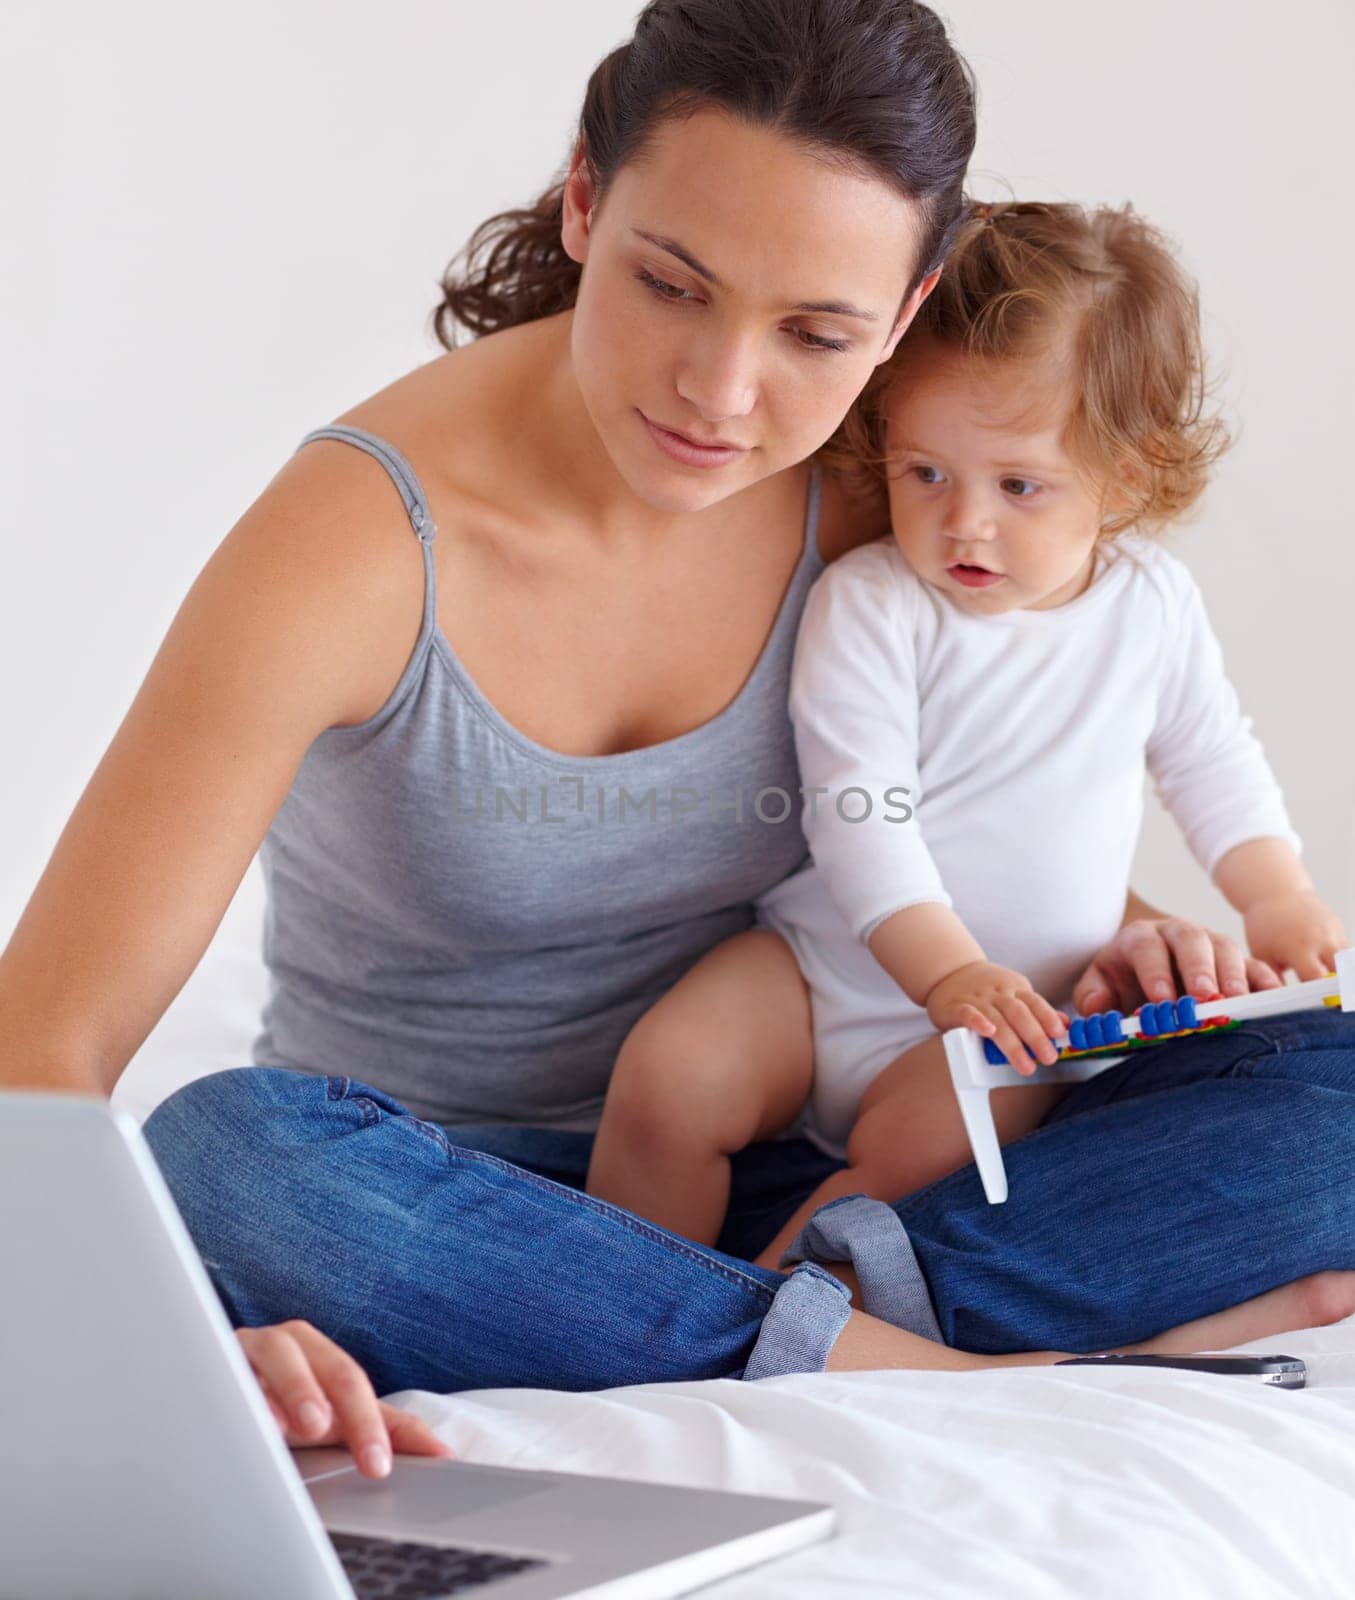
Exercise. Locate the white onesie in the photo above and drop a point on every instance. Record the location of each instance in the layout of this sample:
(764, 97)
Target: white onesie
(994, 764)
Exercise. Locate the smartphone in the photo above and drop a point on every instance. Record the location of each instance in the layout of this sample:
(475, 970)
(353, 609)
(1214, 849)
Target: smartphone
(1284, 1372)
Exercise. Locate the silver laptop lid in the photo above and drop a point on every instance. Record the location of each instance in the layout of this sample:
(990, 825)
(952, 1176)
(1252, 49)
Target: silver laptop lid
(114, 1401)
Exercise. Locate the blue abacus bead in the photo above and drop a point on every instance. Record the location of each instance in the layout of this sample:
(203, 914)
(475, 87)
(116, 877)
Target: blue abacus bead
(1166, 1016)
(1148, 1027)
(1096, 1031)
(1077, 1034)
(1186, 1014)
(992, 1055)
(1112, 1025)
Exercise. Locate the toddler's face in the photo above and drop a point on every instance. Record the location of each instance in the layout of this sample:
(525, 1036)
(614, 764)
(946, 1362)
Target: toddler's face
(985, 502)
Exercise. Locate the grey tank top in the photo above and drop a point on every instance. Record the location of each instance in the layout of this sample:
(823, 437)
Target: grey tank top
(473, 921)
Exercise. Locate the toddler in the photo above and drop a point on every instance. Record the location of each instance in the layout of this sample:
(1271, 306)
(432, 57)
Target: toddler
(975, 702)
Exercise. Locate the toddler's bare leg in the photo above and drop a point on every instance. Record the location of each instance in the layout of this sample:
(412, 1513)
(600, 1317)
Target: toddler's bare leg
(909, 1133)
(723, 1059)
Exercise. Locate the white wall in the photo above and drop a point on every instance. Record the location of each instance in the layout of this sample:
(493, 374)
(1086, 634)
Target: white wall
(221, 231)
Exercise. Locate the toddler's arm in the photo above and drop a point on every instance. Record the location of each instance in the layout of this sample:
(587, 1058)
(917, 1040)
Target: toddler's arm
(855, 705)
(1212, 774)
(940, 966)
(1285, 921)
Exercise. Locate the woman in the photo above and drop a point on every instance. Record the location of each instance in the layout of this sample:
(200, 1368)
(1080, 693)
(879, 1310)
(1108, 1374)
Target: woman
(507, 793)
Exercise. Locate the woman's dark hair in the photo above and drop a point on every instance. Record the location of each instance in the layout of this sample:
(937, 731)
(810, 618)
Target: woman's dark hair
(876, 81)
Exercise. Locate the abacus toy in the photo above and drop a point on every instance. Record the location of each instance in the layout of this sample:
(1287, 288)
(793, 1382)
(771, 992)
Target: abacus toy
(1094, 1043)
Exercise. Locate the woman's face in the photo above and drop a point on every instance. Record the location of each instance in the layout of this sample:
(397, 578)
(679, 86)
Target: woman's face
(737, 290)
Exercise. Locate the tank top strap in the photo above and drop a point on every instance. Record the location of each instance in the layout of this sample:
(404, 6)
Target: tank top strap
(420, 518)
(815, 560)
(401, 473)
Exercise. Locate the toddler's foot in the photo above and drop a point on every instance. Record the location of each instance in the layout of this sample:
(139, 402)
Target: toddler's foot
(1312, 1302)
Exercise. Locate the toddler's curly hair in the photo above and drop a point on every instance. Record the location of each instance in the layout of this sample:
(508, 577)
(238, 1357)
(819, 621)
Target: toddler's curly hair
(1099, 295)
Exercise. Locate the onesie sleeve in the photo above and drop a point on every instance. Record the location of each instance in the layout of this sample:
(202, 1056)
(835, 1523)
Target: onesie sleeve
(854, 704)
(1207, 765)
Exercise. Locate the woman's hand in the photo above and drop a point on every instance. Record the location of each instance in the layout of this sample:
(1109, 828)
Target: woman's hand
(319, 1395)
(1157, 958)
(1295, 930)
(1000, 1005)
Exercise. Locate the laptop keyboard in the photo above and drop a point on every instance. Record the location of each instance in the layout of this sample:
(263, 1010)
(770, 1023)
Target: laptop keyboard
(395, 1569)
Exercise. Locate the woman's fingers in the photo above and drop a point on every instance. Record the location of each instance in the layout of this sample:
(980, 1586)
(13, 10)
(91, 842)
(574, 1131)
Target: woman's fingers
(1234, 972)
(279, 1415)
(1093, 990)
(1230, 967)
(410, 1435)
(1157, 960)
(1150, 958)
(1205, 962)
(301, 1368)
(288, 1379)
(1108, 982)
(358, 1418)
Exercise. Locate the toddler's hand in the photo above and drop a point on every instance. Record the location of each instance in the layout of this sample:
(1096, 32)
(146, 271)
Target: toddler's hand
(1001, 1005)
(1295, 930)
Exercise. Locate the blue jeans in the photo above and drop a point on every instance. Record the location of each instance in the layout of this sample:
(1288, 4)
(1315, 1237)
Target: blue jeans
(1194, 1176)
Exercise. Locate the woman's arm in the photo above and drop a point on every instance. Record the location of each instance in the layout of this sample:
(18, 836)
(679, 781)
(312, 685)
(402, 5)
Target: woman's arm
(303, 617)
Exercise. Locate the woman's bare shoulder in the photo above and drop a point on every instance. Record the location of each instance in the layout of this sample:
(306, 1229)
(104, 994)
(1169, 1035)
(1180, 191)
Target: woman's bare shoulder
(329, 542)
(331, 532)
(845, 521)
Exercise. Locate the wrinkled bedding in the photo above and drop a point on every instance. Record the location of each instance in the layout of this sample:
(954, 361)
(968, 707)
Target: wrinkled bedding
(1033, 1482)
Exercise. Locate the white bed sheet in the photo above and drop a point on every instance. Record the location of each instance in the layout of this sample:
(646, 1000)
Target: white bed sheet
(1005, 1485)
(1001, 1485)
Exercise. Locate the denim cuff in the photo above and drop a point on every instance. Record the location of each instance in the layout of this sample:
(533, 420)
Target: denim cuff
(802, 1323)
(869, 1234)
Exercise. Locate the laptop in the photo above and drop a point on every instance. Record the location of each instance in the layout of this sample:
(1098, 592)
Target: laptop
(138, 1456)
